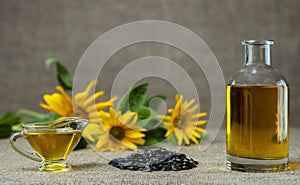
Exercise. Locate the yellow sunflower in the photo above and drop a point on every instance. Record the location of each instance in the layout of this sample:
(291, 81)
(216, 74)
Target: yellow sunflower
(116, 133)
(183, 122)
(83, 105)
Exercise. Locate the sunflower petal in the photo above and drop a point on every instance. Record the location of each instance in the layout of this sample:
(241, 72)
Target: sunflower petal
(202, 114)
(89, 130)
(57, 104)
(193, 108)
(64, 94)
(81, 96)
(179, 136)
(202, 122)
(93, 98)
(134, 134)
(168, 124)
(90, 86)
(134, 119)
(169, 132)
(126, 118)
(195, 134)
(138, 141)
(44, 106)
(188, 104)
(102, 140)
(129, 144)
(201, 130)
(194, 140)
(187, 141)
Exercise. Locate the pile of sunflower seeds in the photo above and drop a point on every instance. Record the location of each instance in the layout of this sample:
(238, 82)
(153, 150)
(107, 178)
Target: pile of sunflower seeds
(154, 160)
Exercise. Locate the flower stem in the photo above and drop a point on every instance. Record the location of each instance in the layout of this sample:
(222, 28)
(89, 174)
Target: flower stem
(30, 113)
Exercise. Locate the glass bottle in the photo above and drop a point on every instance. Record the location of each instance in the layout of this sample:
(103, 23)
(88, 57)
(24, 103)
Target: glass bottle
(257, 113)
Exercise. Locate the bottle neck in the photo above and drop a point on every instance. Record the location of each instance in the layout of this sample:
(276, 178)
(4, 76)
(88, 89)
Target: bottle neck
(257, 54)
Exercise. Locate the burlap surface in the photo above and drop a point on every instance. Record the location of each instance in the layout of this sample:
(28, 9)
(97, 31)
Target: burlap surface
(92, 168)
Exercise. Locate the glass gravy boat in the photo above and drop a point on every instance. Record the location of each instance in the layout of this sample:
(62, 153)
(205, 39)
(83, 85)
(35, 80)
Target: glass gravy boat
(51, 142)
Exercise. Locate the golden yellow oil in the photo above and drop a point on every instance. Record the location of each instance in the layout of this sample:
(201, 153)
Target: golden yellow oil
(53, 145)
(257, 122)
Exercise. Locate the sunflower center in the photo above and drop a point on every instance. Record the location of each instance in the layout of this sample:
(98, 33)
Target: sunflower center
(178, 121)
(117, 132)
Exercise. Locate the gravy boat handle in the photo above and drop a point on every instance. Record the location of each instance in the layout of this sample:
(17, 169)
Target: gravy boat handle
(30, 155)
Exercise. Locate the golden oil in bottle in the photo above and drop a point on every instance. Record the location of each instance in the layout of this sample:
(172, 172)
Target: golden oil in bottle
(257, 122)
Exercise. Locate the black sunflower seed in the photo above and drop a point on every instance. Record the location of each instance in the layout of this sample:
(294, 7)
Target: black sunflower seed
(154, 160)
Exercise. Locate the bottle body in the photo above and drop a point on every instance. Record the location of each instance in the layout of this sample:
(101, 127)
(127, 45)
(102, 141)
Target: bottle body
(257, 114)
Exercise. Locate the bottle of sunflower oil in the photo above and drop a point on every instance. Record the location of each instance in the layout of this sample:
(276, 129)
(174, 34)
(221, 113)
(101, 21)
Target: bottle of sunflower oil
(257, 136)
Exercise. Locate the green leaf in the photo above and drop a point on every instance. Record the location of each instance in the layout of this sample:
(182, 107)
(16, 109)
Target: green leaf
(151, 141)
(49, 117)
(123, 104)
(144, 113)
(133, 99)
(5, 130)
(17, 128)
(53, 116)
(30, 113)
(6, 122)
(148, 124)
(156, 102)
(147, 118)
(63, 75)
(137, 97)
(155, 136)
(10, 118)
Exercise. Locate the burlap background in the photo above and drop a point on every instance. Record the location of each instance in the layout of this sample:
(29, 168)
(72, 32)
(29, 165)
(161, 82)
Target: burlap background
(31, 31)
